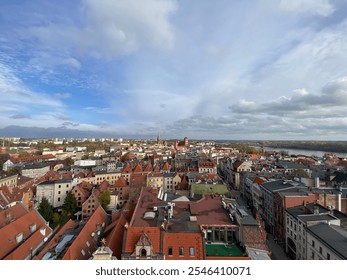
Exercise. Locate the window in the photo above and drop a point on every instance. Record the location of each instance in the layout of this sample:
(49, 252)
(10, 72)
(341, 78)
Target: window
(32, 228)
(83, 252)
(191, 251)
(143, 252)
(59, 186)
(320, 250)
(181, 251)
(59, 192)
(328, 256)
(169, 251)
(313, 243)
(19, 237)
(58, 198)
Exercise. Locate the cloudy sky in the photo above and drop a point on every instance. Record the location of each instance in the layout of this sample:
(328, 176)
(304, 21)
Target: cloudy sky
(266, 69)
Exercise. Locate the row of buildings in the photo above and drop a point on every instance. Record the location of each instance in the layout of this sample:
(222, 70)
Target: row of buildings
(276, 188)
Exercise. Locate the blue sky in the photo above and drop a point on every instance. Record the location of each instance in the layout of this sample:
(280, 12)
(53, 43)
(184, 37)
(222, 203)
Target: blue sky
(204, 69)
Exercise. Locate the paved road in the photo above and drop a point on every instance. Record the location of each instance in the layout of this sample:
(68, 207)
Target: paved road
(277, 251)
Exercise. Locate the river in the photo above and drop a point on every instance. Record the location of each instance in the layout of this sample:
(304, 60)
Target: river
(303, 152)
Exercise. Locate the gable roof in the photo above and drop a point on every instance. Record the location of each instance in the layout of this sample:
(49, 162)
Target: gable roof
(121, 182)
(21, 224)
(99, 217)
(134, 234)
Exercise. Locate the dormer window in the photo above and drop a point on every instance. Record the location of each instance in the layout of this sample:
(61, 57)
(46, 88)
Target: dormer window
(143, 253)
(19, 237)
(32, 228)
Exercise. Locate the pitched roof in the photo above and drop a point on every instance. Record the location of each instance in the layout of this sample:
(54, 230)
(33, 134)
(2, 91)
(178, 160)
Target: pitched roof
(137, 168)
(79, 245)
(127, 169)
(185, 240)
(121, 182)
(134, 234)
(254, 237)
(21, 224)
(148, 167)
(69, 225)
(166, 166)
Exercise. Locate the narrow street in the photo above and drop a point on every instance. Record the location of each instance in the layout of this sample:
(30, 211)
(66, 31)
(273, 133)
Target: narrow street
(277, 251)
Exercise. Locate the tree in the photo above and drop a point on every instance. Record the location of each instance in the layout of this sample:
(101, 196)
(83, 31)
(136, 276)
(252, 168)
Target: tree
(69, 161)
(70, 204)
(46, 210)
(105, 199)
(14, 171)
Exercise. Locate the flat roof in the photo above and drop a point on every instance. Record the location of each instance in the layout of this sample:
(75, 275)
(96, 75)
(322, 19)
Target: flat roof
(223, 250)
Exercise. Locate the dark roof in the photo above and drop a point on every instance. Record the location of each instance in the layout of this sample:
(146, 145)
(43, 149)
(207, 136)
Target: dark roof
(333, 236)
(169, 175)
(35, 165)
(340, 177)
(287, 164)
(321, 217)
(278, 185)
(306, 210)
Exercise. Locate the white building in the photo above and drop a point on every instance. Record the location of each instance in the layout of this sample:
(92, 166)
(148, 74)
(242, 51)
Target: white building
(326, 241)
(55, 191)
(300, 220)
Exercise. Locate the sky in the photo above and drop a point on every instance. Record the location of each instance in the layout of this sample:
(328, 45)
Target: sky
(226, 69)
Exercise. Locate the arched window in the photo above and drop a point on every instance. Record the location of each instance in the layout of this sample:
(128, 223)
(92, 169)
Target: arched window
(143, 253)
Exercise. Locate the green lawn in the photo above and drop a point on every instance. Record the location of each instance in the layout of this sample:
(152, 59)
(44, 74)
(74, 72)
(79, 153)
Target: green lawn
(222, 250)
(209, 188)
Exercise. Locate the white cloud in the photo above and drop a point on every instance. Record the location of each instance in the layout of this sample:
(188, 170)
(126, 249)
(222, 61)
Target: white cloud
(113, 28)
(14, 92)
(72, 62)
(64, 95)
(322, 8)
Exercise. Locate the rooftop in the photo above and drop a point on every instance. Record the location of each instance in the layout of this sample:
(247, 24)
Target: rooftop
(333, 236)
(210, 189)
(223, 250)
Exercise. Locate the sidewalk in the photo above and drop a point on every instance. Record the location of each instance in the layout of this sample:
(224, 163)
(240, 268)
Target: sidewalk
(277, 251)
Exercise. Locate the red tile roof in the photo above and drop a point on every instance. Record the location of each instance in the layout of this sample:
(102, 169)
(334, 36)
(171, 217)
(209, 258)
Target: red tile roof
(127, 169)
(21, 224)
(209, 211)
(138, 168)
(70, 225)
(186, 240)
(32, 158)
(134, 234)
(121, 182)
(254, 237)
(156, 168)
(80, 243)
(148, 167)
(114, 235)
(25, 250)
(166, 166)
